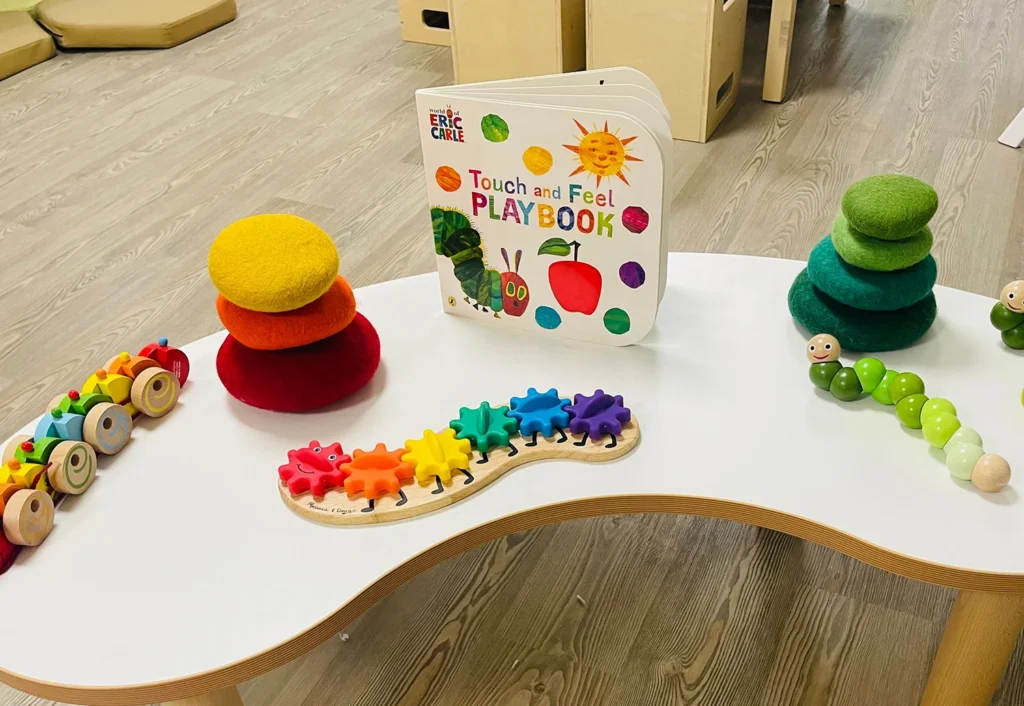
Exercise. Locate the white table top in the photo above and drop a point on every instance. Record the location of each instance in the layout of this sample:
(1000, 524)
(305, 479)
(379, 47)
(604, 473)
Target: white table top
(182, 558)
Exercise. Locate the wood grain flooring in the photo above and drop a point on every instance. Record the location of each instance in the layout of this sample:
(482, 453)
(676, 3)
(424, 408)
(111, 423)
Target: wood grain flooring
(118, 169)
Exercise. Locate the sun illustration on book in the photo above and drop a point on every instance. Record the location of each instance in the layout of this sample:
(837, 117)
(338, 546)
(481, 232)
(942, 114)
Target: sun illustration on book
(602, 153)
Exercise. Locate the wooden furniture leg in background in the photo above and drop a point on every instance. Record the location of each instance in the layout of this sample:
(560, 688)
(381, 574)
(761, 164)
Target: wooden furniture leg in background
(981, 632)
(837, 3)
(224, 697)
(780, 41)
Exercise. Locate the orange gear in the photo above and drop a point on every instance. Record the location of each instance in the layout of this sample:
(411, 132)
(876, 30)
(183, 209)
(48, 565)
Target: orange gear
(376, 473)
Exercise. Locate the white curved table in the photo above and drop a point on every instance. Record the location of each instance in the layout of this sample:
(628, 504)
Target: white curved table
(183, 573)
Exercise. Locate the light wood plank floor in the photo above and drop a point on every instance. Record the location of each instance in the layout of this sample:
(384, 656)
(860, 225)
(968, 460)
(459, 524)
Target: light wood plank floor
(118, 169)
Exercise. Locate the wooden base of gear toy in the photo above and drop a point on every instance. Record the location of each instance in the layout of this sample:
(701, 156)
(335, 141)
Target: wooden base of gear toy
(322, 484)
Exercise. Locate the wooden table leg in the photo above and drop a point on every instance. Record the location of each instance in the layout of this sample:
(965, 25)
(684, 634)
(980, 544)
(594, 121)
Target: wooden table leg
(780, 40)
(224, 697)
(980, 635)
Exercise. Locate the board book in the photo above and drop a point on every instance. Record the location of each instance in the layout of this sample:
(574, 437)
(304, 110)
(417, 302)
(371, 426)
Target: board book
(548, 201)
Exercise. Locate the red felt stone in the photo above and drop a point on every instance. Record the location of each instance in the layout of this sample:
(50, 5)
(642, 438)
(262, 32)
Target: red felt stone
(304, 378)
(8, 552)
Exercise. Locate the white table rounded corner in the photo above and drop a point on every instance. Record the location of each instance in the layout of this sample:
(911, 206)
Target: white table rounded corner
(732, 429)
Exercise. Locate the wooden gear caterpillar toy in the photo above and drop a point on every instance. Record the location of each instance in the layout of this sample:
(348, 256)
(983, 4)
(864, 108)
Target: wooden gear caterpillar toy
(935, 417)
(322, 483)
(59, 458)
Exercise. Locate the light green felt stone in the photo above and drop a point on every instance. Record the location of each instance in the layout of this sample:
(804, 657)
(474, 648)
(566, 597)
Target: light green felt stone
(890, 206)
(859, 250)
(905, 384)
(937, 404)
(821, 374)
(909, 410)
(939, 428)
(965, 435)
(845, 386)
(961, 457)
(881, 391)
(870, 372)
(1004, 319)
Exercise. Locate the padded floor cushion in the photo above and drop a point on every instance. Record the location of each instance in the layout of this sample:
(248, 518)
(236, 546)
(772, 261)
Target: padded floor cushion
(22, 43)
(137, 24)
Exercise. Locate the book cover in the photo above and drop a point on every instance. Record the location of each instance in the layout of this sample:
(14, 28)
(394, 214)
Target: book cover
(544, 217)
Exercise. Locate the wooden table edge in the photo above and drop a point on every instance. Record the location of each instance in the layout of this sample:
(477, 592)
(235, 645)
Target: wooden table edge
(226, 677)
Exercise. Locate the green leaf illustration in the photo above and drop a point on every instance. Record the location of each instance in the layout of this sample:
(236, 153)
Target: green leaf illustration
(555, 246)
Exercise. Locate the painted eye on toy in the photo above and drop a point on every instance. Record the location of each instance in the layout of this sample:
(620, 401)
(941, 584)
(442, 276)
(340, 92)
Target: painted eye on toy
(510, 289)
(1009, 295)
(828, 346)
(521, 293)
(811, 348)
(332, 457)
(317, 450)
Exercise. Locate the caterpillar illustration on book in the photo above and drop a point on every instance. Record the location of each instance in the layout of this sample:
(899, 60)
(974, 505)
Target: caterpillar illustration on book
(322, 483)
(456, 239)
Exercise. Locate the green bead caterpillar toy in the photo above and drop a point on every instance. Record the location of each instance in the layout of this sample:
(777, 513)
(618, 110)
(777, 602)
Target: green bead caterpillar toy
(1008, 314)
(935, 417)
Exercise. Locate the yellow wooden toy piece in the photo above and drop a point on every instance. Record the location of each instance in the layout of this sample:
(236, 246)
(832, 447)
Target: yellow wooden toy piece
(115, 386)
(129, 365)
(24, 474)
(437, 455)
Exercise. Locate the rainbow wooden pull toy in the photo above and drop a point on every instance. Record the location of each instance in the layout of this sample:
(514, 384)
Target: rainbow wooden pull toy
(936, 416)
(322, 483)
(60, 458)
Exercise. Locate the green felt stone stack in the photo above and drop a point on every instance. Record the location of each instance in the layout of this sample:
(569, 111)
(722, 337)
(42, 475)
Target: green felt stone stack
(869, 283)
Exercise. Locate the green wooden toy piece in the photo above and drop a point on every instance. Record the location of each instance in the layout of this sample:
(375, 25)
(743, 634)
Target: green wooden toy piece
(870, 372)
(881, 391)
(40, 451)
(904, 385)
(939, 428)
(821, 374)
(935, 405)
(909, 410)
(845, 385)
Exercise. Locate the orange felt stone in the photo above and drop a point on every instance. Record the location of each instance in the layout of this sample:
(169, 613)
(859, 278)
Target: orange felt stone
(319, 319)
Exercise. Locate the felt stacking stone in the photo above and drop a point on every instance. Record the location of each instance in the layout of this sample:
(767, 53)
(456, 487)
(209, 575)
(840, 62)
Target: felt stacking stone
(889, 206)
(867, 289)
(869, 253)
(272, 263)
(295, 342)
(321, 318)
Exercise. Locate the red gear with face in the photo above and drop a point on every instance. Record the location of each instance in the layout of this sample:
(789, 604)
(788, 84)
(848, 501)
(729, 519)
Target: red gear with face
(315, 469)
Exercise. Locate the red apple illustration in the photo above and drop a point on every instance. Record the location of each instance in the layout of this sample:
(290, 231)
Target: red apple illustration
(576, 285)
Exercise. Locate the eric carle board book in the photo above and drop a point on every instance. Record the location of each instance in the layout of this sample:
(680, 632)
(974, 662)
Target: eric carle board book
(547, 201)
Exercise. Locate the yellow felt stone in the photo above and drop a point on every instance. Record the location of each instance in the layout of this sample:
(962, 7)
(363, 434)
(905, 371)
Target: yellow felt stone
(272, 263)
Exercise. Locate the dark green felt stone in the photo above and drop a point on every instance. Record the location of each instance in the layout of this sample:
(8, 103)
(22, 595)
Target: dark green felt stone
(864, 289)
(1014, 338)
(821, 374)
(890, 206)
(858, 330)
(868, 253)
(1004, 319)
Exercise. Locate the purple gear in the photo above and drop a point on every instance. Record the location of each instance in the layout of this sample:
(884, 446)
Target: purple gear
(597, 414)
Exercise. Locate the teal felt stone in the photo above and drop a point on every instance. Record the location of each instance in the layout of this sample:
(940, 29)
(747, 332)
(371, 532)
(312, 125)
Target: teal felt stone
(855, 329)
(890, 206)
(865, 289)
(868, 253)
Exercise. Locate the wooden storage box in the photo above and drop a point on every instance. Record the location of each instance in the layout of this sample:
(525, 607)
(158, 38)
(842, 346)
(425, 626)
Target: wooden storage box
(425, 21)
(692, 49)
(499, 39)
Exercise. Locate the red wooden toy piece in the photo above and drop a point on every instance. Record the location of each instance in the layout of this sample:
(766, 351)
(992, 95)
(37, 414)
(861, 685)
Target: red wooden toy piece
(169, 358)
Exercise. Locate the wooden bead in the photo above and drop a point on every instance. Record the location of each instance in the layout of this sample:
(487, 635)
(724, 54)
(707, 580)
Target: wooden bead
(155, 392)
(1012, 296)
(72, 467)
(13, 445)
(991, 473)
(108, 427)
(823, 348)
(28, 517)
